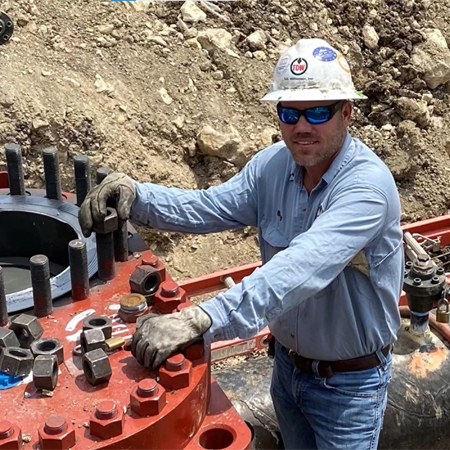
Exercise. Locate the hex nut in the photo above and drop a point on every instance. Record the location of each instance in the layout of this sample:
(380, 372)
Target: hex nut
(16, 361)
(110, 224)
(92, 339)
(10, 436)
(27, 329)
(8, 338)
(172, 378)
(45, 372)
(96, 367)
(48, 346)
(150, 404)
(109, 425)
(145, 280)
(102, 322)
(57, 434)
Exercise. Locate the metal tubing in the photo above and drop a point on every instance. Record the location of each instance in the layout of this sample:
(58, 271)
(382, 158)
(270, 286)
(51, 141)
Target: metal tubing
(79, 276)
(13, 153)
(3, 304)
(228, 282)
(102, 173)
(121, 241)
(40, 281)
(105, 256)
(413, 244)
(51, 172)
(419, 323)
(82, 177)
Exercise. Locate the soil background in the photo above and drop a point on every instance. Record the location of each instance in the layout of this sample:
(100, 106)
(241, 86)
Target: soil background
(169, 92)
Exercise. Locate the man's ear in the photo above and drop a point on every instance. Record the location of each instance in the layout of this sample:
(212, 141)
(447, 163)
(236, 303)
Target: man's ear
(347, 110)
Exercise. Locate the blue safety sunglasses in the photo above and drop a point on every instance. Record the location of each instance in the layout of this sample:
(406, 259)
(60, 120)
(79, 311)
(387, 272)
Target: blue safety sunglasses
(315, 115)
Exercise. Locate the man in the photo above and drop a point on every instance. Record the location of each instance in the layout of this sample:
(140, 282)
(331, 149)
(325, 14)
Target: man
(328, 217)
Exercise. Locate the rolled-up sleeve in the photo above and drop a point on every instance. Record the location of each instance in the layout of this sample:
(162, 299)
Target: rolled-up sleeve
(230, 205)
(353, 218)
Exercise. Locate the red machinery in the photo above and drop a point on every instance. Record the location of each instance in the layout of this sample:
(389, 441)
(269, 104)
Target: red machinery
(106, 400)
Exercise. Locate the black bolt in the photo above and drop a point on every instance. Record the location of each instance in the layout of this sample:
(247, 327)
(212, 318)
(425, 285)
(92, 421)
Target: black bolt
(102, 173)
(13, 153)
(51, 172)
(121, 241)
(40, 281)
(105, 256)
(78, 269)
(3, 303)
(82, 177)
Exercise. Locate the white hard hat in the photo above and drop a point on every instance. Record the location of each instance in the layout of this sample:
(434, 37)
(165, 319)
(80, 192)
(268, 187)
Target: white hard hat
(312, 70)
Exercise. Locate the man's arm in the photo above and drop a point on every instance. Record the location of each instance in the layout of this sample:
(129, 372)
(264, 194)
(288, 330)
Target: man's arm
(230, 205)
(310, 263)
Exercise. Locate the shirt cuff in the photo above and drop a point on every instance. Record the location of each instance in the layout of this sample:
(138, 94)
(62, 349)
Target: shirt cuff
(220, 329)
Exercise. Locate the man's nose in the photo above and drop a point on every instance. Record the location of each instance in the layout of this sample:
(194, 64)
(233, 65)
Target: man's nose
(303, 126)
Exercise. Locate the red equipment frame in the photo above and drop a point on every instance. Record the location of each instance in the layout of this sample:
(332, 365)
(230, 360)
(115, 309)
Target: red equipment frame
(189, 411)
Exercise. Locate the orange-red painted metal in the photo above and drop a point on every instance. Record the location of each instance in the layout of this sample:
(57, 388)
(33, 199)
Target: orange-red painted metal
(56, 434)
(176, 372)
(196, 413)
(169, 297)
(10, 436)
(4, 180)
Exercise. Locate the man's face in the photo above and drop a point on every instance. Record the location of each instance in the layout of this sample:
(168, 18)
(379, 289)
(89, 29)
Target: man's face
(312, 144)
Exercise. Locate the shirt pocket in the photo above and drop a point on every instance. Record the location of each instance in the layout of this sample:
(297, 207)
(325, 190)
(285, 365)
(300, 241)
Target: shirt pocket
(275, 239)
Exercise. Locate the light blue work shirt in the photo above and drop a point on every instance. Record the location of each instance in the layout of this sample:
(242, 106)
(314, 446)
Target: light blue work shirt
(314, 298)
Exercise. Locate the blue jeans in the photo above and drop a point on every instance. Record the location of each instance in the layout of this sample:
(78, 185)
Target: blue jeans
(344, 411)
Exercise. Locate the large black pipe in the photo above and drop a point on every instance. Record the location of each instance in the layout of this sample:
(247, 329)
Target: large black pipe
(13, 154)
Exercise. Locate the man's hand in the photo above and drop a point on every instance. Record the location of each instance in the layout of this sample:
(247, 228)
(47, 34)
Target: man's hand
(116, 186)
(159, 336)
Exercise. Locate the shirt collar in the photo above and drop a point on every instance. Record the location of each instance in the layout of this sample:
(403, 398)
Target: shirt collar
(341, 160)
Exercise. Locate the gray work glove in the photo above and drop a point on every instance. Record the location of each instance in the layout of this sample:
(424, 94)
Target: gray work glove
(115, 186)
(159, 336)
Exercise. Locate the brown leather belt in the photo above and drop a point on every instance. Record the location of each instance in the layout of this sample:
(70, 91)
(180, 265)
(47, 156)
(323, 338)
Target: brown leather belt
(326, 368)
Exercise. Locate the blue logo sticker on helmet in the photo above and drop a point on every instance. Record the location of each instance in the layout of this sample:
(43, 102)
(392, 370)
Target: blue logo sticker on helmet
(283, 64)
(324, 54)
(299, 66)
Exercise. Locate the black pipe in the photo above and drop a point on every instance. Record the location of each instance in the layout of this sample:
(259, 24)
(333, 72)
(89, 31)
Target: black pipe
(121, 241)
(40, 282)
(13, 153)
(82, 177)
(102, 173)
(79, 276)
(51, 172)
(3, 304)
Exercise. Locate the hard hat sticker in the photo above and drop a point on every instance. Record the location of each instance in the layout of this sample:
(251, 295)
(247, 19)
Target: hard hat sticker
(299, 66)
(283, 63)
(343, 63)
(324, 54)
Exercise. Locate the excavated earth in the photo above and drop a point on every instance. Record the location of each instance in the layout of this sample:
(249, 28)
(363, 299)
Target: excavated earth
(169, 92)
